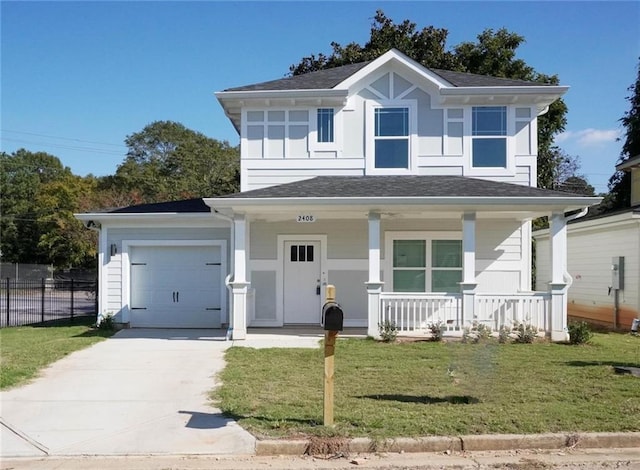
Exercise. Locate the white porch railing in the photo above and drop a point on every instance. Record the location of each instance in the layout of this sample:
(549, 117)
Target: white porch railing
(530, 308)
(415, 312)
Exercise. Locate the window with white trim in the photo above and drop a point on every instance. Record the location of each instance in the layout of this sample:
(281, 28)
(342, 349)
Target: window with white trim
(325, 125)
(489, 134)
(427, 265)
(391, 137)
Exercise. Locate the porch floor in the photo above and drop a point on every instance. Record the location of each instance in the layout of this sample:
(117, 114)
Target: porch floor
(292, 337)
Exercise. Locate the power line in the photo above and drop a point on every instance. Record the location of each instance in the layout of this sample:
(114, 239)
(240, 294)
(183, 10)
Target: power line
(65, 147)
(63, 138)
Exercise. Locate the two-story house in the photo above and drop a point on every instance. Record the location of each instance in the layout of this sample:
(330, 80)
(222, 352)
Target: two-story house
(411, 190)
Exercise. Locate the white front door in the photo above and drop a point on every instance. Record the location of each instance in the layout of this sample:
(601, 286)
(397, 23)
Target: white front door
(302, 294)
(175, 286)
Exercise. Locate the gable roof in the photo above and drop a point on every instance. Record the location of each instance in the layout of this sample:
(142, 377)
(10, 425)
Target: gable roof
(318, 80)
(390, 187)
(330, 87)
(629, 163)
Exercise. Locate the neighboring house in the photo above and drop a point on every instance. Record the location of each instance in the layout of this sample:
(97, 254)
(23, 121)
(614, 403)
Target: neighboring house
(603, 261)
(411, 190)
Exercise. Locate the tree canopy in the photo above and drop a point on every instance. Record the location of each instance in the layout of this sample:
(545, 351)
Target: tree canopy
(167, 161)
(620, 182)
(494, 53)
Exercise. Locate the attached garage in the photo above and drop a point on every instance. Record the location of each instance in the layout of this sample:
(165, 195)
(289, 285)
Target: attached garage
(176, 286)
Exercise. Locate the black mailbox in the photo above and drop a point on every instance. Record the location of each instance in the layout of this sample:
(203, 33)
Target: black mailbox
(332, 316)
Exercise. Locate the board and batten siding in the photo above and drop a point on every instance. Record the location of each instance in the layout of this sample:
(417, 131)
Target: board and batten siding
(280, 145)
(501, 264)
(116, 235)
(589, 254)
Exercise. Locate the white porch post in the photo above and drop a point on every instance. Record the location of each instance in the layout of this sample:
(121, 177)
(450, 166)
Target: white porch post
(374, 284)
(468, 284)
(239, 285)
(558, 287)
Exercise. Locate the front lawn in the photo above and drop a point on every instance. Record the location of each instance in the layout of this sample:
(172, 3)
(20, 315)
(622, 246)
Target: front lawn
(424, 388)
(27, 349)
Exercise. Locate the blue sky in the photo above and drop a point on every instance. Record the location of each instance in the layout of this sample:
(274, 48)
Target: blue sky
(78, 77)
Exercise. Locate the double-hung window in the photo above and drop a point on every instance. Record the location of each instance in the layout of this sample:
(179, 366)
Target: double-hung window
(391, 137)
(325, 125)
(489, 133)
(427, 265)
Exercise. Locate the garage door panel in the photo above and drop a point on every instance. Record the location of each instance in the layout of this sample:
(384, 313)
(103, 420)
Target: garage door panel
(176, 286)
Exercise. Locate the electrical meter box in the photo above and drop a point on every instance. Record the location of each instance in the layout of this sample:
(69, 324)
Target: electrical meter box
(617, 272)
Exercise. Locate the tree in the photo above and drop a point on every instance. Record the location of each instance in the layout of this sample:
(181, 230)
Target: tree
(22, 176)
(167, 161)
(494, 53)
(620, 182)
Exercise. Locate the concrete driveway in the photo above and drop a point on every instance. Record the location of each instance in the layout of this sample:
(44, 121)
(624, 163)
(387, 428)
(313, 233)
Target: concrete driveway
(142, 391)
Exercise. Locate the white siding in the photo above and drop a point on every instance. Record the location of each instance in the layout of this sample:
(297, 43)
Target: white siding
(499, 256)
(441, 142)
(590, 252)
(113, 269)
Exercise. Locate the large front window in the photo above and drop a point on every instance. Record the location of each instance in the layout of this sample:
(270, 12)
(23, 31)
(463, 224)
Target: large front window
(489, 130)
(420, 265)
(391, 135)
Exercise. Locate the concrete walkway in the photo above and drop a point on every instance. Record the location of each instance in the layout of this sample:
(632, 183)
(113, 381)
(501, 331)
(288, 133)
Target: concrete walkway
(142, 391)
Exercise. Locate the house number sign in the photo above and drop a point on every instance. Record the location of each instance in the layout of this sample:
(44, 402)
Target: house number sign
(306, 219)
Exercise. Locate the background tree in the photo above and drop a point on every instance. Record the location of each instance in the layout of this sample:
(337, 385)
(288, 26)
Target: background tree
(166, 161)
(22, 176)
(620, 182)
(494, 53)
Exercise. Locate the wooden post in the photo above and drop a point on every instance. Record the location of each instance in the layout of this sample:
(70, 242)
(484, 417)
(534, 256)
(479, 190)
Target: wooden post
(329, 351)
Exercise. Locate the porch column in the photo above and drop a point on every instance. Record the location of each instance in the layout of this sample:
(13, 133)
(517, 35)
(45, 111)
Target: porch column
(374, 284)
(468, 284)
(558, 287)
(239, 285)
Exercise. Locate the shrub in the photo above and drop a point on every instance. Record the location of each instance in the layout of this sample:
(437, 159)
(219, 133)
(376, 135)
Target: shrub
(106, 323)
(437, 331)
(504, 333)
(388, 331)
(579, 332)
(476, 333)
(525, 333)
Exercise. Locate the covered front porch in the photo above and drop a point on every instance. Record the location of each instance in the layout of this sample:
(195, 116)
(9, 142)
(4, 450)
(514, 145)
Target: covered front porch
(416, 261)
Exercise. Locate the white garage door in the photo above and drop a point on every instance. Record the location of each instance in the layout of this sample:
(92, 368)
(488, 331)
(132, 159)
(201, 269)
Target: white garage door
(176, 286)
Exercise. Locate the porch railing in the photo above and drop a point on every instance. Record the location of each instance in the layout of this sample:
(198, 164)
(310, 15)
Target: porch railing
(531, 308)
(415, 312)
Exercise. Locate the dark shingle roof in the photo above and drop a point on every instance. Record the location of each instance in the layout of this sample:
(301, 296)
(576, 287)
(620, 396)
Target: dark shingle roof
(329, 78)
(187, 205)
(461, 79)
(319, 80)
(396, 187)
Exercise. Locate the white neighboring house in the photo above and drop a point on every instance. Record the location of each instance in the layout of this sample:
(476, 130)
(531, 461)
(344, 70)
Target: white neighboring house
(596, 244)
(410, 189)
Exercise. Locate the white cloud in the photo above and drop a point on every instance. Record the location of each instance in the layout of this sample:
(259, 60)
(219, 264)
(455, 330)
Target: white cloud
(587, 137)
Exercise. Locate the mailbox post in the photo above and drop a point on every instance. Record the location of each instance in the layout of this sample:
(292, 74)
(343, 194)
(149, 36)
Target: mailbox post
(332, 317)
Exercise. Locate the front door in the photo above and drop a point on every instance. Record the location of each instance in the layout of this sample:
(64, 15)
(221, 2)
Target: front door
(302, 282)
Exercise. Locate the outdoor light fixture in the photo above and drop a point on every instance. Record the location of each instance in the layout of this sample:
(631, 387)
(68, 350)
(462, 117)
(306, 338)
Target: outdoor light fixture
(114, 249)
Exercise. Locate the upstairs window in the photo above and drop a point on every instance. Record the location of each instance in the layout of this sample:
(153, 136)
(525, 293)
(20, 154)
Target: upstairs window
(391, 134)
(325, 125)
(489, 131)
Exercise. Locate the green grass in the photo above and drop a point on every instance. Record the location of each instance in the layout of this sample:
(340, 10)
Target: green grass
(419, 389)
(24, 351)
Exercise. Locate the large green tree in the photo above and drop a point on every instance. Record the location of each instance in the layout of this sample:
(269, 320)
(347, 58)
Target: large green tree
(167, 161)
(620, 182)
(494, 53)
(22, 176)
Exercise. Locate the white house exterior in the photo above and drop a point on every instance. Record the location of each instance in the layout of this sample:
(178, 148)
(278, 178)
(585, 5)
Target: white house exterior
(409, 189)
(595, 245)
